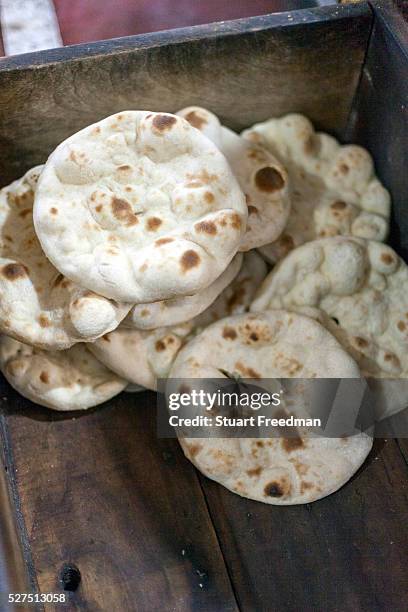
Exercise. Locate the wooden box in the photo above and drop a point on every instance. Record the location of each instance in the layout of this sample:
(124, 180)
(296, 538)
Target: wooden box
(99, 490)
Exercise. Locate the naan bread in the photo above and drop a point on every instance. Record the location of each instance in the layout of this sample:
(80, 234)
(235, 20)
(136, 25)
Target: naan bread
(37, 304)
(334, 188)
(362, 286)
(181, 309)
(237, 297)
(143, 356)
(389, 396)
(274, 344)
(261, 176)
(63, 380)
(139, 207)
(279, 471)
(266, 345)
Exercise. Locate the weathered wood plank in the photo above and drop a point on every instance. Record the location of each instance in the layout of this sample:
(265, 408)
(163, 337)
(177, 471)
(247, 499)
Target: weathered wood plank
(379, 118)
(345, 552)
(15, 560)
(244, 70)
(403, 447)
(100, 491)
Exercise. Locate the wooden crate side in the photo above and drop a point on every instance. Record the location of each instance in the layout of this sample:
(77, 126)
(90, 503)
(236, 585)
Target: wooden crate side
(245, 71)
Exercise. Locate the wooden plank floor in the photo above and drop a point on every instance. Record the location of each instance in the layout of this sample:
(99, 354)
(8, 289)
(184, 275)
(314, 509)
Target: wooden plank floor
(147, 533)
(345, 552)
(100, 491)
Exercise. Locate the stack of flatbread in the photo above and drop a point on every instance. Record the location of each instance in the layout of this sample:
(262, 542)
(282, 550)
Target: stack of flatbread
(142, 249)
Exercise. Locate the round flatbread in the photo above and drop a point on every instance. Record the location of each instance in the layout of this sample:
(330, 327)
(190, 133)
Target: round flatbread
(238, 296)
(269, 471)
(139, 207)
(62, 380)
(37, 304)
(363, 287)
(266, 345)
(334, 188)
(274, 344)
(143, 356)
(205, 121)
(182, 309)
(261, 176)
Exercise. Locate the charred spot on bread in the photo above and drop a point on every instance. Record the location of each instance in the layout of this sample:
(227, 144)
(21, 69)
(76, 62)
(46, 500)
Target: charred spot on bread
(274, 489)
(269, 179)
(229, 333)
(44, 321)
(122, 211)
(162, 123)
(190, 259)
(206, 227)
(247, 371)
(387, 258)
(153, 223)
(292, 444)
(196, 120)
(160, 346)
(338, 205)
(14, 271)
(360, 342)
(162, 241)
(305, 486)
(255, 471)
(193, 449)
(236, 221)
(44, 377)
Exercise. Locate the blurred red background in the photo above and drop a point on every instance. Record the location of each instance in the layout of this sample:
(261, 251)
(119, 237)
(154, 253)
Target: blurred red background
(85, 21)
(89, 20)
(82, 21)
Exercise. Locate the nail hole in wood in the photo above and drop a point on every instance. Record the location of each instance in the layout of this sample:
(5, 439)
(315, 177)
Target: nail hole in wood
(70, 577)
